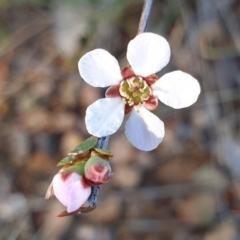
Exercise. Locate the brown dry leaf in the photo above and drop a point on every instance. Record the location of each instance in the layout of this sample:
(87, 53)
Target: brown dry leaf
(4, 73)
(35, 120)
(226, 230)
(126, 177)
(141, 209)
(123, 151)
(69, 141)
(107, 210)
(180, 167)
(63, 121)
(40, 163)
(198, 209)
(87, 94)
(211, 178)
(53, 227)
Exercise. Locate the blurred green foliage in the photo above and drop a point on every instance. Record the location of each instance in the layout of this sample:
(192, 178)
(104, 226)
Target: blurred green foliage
(94, 3)
(13, 3)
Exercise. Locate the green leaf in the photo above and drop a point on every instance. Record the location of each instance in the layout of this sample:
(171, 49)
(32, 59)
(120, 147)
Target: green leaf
(84, 146)
(103, 152)
(78, 168)
(64, 161)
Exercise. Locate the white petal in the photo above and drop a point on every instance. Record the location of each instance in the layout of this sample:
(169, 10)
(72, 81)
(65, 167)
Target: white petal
(99, 68)
(78, 195)
(177, 89)
(148, 53)
(105, 116)
(144, 130)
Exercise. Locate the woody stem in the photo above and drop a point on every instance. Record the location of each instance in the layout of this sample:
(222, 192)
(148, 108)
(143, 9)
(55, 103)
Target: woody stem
(103, 142)
(144, 20)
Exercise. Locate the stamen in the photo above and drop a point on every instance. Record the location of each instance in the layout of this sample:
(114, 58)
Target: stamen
(135, 90)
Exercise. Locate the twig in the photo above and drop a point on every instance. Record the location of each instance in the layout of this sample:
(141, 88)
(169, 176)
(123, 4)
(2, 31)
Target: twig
(92, 200)
(103, 142)
(143, 24)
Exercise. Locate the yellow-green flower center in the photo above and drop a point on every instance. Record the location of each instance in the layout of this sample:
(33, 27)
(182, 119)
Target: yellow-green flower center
(135, 90)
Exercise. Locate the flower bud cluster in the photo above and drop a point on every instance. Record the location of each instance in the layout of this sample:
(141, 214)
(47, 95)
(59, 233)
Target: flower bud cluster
(83, 168)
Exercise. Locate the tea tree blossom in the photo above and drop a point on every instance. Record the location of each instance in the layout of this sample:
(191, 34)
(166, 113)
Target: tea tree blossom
(135, 90)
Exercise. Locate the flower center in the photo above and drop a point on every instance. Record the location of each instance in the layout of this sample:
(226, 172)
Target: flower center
(135, 90)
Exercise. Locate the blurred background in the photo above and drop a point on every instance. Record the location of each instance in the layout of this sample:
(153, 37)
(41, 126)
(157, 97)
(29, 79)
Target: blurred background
(186, 189)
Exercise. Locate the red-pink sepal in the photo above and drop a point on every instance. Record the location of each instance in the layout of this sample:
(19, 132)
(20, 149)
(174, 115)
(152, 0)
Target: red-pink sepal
(127, 72)
(151, 79)
(152, 103)
(128, 109)
(112, 92)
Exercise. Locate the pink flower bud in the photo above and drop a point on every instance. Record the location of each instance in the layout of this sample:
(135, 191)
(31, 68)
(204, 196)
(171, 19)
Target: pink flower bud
(97, 170)
(71, 190)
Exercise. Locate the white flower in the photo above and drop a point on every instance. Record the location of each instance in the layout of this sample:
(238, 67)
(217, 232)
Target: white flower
(135, 89)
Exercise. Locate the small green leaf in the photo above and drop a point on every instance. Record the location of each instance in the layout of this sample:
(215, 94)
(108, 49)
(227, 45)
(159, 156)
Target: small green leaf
(84, 146)
(103, 152)
(64, 161)
(78, 168)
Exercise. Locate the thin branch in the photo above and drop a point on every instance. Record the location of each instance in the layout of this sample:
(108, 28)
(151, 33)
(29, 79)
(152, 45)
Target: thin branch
(103, 142)
(143, 24)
